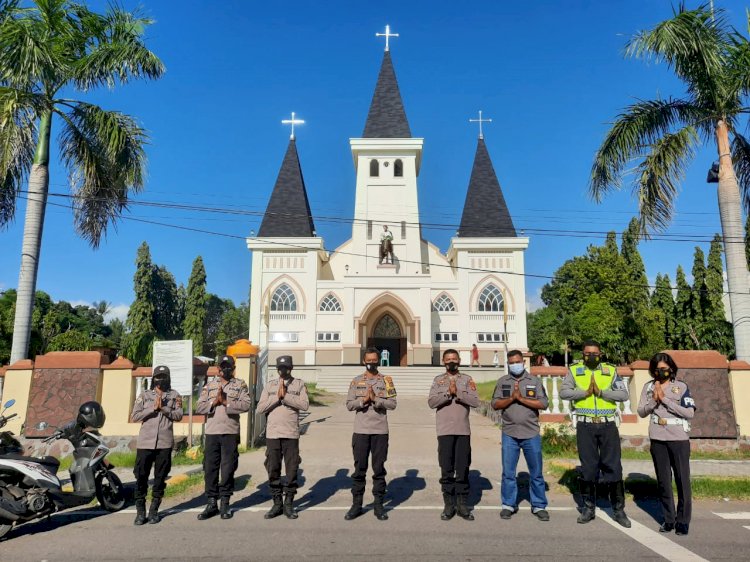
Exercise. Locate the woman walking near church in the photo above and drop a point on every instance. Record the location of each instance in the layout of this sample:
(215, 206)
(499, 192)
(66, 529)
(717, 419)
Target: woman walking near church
(669, 404)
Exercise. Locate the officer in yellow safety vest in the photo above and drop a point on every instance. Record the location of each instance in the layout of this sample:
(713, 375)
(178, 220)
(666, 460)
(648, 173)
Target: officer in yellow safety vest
(595, 389)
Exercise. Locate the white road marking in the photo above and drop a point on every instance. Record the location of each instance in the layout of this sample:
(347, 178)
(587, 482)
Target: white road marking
(733, 514)
(747, 527)
(653, 540)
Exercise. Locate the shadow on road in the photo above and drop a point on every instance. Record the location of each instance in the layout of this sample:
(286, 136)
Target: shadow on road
(402, 488)
(55, 522)
(304, 426)
(477, 485)
(325, 488)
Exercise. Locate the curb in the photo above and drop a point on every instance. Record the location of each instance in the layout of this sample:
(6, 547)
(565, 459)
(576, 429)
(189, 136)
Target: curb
(179, 478)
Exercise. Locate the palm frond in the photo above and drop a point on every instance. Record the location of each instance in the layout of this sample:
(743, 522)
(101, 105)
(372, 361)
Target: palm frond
(117, 51)
(640, 126)
(741, 162)
(105, 156)
(658, 175)
(18, 133)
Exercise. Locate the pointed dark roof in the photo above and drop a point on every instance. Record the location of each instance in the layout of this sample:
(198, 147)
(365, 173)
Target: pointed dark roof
(288, 212)
(387, 118)
(485, 213)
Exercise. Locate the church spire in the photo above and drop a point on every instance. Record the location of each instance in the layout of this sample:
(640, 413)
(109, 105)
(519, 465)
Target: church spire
(387, 118)
(485, 213)
(288, 212)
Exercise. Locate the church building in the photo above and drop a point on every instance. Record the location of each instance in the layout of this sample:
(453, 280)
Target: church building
(324, 307)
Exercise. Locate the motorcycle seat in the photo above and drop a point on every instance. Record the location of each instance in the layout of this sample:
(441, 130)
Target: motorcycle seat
(49, 462)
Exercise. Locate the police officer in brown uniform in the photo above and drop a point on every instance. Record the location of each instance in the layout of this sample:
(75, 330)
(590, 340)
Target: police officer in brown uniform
(452, 395)
(370, 396)
(156, 409)
(222, 401)
(282, 400)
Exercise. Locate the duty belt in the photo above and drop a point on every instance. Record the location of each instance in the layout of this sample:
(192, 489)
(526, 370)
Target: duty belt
(666, 421)
(595, 419)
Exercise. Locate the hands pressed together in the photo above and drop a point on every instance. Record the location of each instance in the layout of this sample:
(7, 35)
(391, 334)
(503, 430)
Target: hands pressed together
(593, 389)
(221, 396)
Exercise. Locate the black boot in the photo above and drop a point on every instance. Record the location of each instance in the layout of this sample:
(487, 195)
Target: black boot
(462, 508)
(153, 511)
(379, 509)
(617, 498)
(140, 512)
(226, 513)
(277, 508)
(588, 495)
(450, 507)
(289, 509)
(210, 511)
(355, 510)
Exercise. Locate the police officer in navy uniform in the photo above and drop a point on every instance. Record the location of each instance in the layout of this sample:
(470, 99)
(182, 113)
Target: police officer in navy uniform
(596, 391)
(156, 409)
(222, 401)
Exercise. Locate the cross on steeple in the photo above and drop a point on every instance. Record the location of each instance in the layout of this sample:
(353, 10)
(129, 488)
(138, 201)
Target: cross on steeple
(387, 35)
(480, 121)
(292, 122)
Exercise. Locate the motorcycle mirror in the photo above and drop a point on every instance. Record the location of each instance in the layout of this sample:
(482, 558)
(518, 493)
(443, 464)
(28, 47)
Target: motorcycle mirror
(9, 403)
(42, 426)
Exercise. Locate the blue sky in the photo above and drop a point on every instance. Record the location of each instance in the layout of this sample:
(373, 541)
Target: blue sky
(551, 75)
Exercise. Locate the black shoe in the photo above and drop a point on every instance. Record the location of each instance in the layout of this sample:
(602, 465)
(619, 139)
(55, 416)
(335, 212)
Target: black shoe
(666, 527)
(463, 510)
(354, 511)
(379, 510)
(450, 507)
(681, 528)
(506, 514)
(226, 513)
(542, 515)
(140, 512)
(210, 511)
(289, 510)
(277, 508)
(617, 499)
(588, 495)
(153, 511)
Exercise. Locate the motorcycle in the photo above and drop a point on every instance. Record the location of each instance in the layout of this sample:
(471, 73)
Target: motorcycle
(30, 488)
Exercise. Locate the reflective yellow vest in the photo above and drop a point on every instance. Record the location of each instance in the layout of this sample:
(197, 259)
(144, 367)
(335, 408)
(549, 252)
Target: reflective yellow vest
(594, 406)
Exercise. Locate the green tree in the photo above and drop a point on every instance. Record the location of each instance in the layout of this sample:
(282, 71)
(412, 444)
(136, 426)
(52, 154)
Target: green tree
(72, 340)
(235, 324)
(698, 296)
(712, 59)
(717, 332)
(195, 306)
(49, 50)
(140, 320)
(216, 309)
(685, 336)
(168, 304)
(663, 300)
(636, 270)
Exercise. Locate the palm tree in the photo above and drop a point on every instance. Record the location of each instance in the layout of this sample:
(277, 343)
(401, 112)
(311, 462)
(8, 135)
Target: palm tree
(712, 59)
(47, 52)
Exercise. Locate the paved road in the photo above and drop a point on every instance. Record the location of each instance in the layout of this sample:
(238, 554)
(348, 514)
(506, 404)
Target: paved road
(413, 530)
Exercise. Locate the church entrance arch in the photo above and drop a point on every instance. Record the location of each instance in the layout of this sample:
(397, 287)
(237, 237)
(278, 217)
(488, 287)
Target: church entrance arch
(387, 337)
(387, 323)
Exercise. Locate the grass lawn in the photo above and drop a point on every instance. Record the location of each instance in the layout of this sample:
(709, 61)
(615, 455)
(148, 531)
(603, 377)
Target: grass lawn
(485, 389)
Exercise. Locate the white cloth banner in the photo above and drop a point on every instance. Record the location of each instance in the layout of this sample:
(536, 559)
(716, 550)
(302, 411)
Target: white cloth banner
(178, 356)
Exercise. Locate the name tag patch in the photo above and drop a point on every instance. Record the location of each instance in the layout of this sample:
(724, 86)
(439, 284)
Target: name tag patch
(530, 391)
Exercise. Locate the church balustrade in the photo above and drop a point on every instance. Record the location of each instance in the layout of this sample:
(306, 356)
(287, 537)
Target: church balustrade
(287, 316)
(495, 317)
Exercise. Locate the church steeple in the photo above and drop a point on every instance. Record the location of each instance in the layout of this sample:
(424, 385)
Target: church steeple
(485, 213)
(288, 213)
(387, 118)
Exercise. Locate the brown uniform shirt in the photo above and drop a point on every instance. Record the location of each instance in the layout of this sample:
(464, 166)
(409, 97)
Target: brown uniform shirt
(224, 419)
(677, 404)
(452, 415)
(371, 418)
(282, 421)
(156, 425)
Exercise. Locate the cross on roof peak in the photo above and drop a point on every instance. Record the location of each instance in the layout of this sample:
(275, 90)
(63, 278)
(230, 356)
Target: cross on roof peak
(293, 121)
(480, 121)
(387, 36)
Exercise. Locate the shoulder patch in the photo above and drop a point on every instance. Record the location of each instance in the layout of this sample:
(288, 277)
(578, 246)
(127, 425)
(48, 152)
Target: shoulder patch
(390, 389)
(580, 370)
(472, 384)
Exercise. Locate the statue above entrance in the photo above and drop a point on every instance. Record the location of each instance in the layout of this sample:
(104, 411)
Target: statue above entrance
(386, 245)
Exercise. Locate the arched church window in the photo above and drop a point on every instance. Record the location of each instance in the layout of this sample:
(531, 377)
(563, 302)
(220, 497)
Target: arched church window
(330, 304)
(490, 300)
(444, 304)
(387, 327)
(374, 168)
(398, 169)
(284, 299)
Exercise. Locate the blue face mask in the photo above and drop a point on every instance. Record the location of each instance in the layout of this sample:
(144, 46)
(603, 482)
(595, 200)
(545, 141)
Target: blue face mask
(516, 369)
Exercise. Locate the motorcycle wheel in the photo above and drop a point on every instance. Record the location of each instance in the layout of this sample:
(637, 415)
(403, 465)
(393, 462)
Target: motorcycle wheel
(5, 527)
(109, 491)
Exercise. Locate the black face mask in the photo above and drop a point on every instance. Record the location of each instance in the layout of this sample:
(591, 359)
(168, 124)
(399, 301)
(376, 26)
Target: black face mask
(371, 367)
(662, 374)
(226, 373)
(161, 382)
(591, 361)
(284, 371)
(452, 366)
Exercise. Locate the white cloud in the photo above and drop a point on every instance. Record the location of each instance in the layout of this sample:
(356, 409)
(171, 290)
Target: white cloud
(535, 302)
(119, 311)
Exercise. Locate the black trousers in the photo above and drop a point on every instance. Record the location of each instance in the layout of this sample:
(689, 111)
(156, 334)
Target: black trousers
(599, 450)
(673, 456)
(364, 445)
(288, 450)
(220, 455)
(454, 456)
(161, 461)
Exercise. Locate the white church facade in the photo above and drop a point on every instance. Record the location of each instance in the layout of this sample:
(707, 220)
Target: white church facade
(325, 307)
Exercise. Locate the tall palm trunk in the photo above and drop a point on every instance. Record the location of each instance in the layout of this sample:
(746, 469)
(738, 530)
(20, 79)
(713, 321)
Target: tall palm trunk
(36, 204)
(732, 231)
